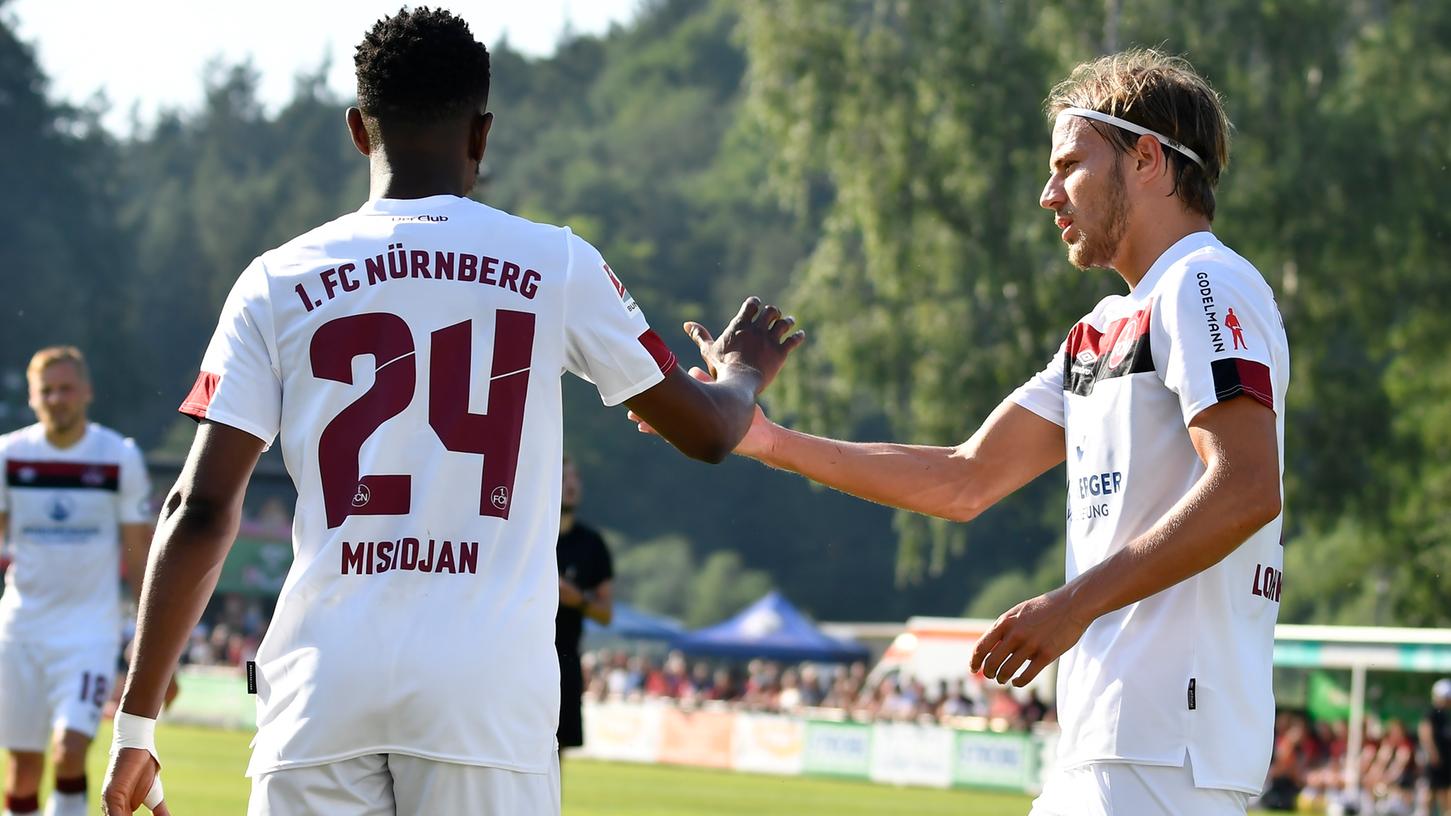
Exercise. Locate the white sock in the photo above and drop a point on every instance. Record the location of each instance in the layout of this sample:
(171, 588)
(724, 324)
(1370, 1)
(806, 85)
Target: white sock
(66, 804)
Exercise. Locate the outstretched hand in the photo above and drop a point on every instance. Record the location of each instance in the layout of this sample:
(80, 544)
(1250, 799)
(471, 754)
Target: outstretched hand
(1027, 638)
(758, 337)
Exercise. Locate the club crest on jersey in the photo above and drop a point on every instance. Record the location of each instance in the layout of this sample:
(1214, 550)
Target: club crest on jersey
(625, 298)
(93, 477)
(500, 497)
(61, 508)
(1117, 350)
(362, 496)
(26, 474)
(1126, 338)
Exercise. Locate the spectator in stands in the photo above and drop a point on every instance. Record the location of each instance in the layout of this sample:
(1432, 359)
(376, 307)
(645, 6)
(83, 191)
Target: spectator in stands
(1326, 773)
(700, 681)
(811, 691)
(221, 636)
(1392, 772)
(1034, 709)
(898, 702)
(618, 675)
(199, 650)
(840, 693)
(916, 694)
(789, 701)
(763, 685)
(668, 681)
(1287, 771)
(1002, 707)
(955, 702)
(769, 695)
(723, 686)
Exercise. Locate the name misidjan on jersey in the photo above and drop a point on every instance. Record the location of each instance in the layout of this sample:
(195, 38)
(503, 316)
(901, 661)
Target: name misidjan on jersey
(399, 262)
(1206, 295)
(410, 555)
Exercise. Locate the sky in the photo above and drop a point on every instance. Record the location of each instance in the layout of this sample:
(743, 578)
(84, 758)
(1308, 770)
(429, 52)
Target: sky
(152, 54)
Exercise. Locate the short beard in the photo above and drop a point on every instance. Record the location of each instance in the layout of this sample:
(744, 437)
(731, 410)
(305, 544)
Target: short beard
(1099, 250)
(56, 425)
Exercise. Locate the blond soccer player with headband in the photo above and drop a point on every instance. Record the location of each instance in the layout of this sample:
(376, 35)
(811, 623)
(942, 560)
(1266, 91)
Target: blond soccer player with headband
(1170, 418)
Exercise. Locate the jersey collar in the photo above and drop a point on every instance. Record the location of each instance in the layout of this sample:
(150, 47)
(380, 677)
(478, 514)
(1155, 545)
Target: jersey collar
(407, 206)
(1175, 253)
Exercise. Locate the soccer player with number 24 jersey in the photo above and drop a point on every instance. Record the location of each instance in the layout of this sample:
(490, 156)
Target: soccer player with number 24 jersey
(407, 358)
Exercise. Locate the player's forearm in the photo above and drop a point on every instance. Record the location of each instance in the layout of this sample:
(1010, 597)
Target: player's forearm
(921, 478)
(1209, 523)
(194, 537)
(733, 402)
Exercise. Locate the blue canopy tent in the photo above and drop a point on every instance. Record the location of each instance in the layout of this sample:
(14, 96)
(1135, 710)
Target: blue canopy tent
(629, 623)
(771, 628)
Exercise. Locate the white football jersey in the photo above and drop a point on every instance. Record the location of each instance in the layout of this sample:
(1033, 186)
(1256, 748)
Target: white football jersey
(1187, 669)
(410, 356)
(65, 507)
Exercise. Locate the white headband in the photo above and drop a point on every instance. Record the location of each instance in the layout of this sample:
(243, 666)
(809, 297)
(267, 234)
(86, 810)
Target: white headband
(1130, 126)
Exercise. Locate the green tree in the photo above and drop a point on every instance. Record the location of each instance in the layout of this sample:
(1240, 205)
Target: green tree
(940, 284)
(63, 261)
(662, 576)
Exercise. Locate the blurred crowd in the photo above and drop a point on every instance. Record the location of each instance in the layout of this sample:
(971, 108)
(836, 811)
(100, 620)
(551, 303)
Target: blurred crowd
(1308, 770)
(838, 691)
(228, 634)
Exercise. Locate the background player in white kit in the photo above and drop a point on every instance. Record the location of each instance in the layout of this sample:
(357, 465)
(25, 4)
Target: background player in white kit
(1173, 439)
(73, 501)
(409, 355)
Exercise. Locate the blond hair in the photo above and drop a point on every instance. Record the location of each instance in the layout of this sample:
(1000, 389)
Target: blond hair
(49, 356)
(1162, 93)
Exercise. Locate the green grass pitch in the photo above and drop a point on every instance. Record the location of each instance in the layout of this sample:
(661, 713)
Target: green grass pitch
(204, 770)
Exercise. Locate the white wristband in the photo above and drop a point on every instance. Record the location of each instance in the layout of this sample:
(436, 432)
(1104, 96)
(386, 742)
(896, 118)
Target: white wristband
(154, 796)
(135, 732)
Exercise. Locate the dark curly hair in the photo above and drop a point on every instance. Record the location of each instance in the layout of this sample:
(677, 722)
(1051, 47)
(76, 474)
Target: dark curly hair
(421, 66)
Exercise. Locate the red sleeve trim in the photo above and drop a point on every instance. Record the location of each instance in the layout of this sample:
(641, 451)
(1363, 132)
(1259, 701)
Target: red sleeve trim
(659, 352)
(199, 399)
(1235, 376)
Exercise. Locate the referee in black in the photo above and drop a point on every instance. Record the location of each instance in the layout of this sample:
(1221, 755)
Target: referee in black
(585, 573)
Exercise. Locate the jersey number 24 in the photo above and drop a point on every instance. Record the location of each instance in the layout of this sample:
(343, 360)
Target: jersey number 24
(494, 435)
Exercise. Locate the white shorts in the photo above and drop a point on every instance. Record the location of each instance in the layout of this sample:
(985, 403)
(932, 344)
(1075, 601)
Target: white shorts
(45, 689)
(1124, 789)
(403, 785)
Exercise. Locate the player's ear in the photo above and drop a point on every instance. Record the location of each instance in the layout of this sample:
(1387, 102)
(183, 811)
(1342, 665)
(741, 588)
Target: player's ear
(359, 132)
(479, 126)
(1149, 158)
